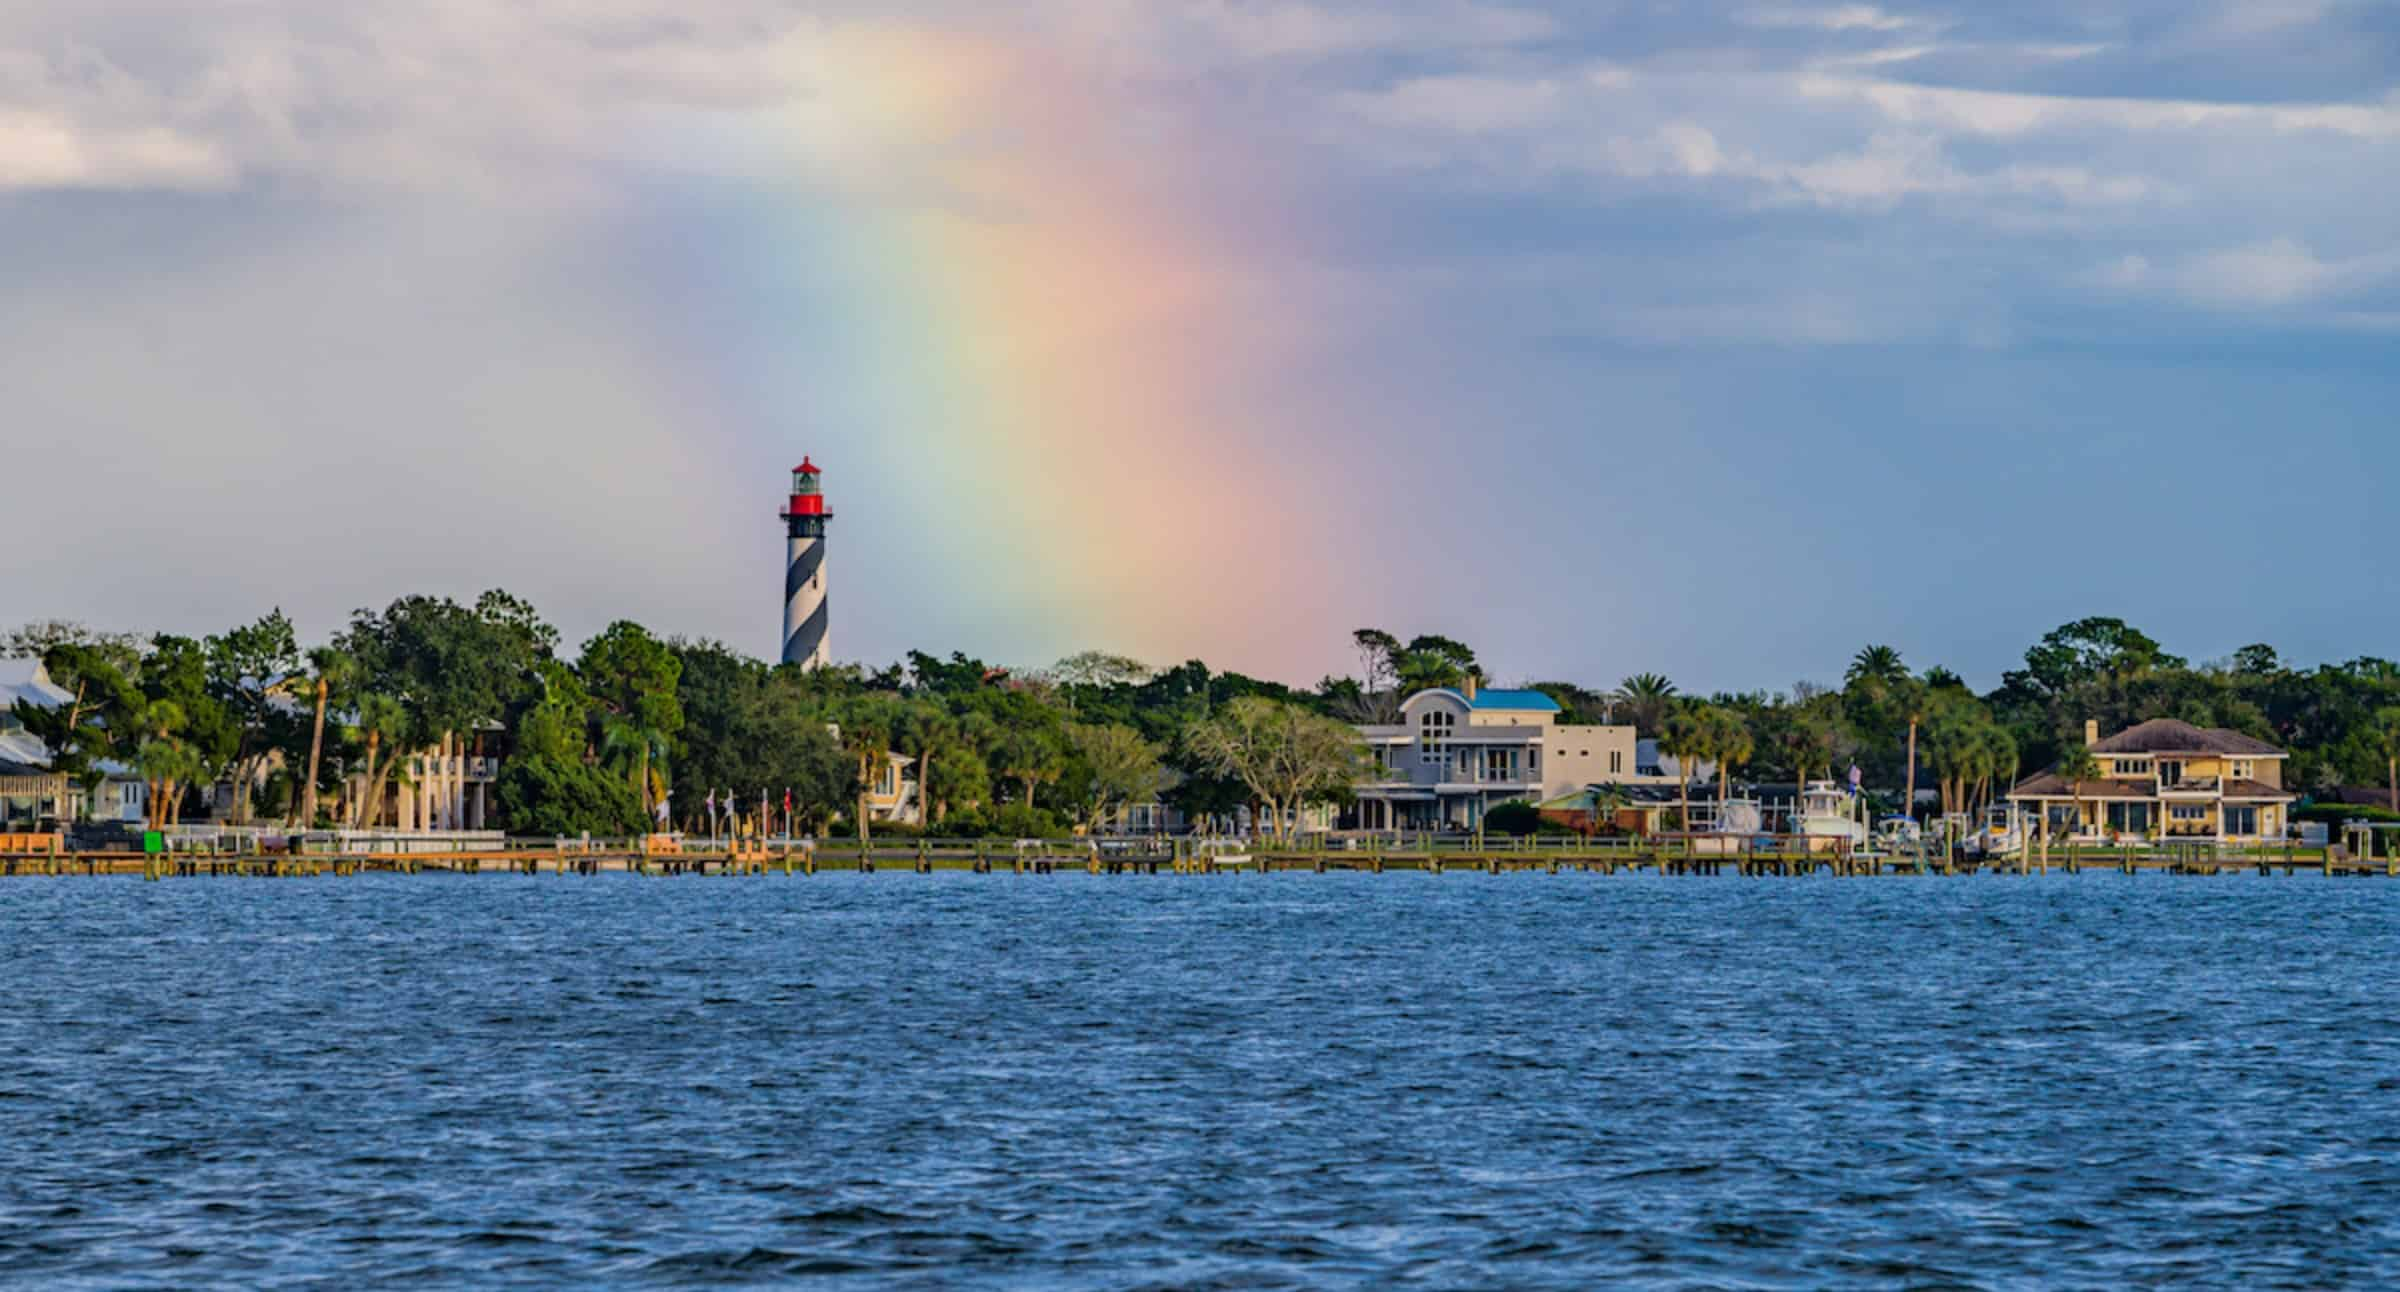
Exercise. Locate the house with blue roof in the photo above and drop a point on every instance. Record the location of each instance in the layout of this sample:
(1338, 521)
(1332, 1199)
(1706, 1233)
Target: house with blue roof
(1456, 753)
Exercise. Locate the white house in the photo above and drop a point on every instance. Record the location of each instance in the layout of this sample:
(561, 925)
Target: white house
(1456, 754)
(28, 786)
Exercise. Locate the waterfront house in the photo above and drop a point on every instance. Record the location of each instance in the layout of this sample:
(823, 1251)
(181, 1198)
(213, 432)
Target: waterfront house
(2165, 780)
(1456, 753)
(30, 786)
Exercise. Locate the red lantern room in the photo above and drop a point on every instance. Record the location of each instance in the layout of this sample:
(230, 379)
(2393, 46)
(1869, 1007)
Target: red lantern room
(806, 499)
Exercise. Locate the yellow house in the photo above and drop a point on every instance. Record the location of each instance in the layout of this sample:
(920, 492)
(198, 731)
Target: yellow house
(892, 794)
(2166, 780)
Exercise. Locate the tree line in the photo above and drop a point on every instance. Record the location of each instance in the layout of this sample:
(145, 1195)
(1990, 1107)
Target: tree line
(634, 728)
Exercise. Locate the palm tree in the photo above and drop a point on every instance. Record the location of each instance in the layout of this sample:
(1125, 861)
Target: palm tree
(1647, 698)
(868, 739)
(1913, 696)
(163, 760)
(1877, 668)
(1423, 670)
(1810, 742)
(1684, 736)
(637, 751)
(1608, 801)
(380, 719)
(2076, 765)
(924, 728)
(1733, 744)
(2387, 739)
(334, 671)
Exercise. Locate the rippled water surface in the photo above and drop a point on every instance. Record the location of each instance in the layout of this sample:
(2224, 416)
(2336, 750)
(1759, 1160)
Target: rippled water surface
(1462, 1081)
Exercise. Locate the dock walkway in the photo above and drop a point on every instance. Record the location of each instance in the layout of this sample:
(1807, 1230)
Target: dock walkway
(19, 858)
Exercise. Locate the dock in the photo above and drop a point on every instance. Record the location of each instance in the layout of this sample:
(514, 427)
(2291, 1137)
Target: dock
(45, 855)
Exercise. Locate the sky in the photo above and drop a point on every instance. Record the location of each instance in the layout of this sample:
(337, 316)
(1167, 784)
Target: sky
(1709, 340)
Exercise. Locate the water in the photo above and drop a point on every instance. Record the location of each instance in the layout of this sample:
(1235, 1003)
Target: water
(1522, 1081)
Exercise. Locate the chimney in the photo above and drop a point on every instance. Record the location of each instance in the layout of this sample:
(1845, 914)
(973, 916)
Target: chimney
(1469, 688)
(2091, 732)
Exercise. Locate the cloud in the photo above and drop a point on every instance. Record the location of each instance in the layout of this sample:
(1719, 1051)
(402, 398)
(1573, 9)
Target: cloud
(2273, 274)
(1996, 113)
(1850, 17)
(48, 150)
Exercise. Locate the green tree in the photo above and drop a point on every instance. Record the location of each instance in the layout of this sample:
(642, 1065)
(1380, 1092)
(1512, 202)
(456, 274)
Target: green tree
(1609, 801)
(1685, 736)
(455, 670)
(866, 736)
(101, 723)
(1285, 755)
(38, 640)
(1877, 668)
(251, 669)
(1733, 745)
(1810, 740)
(2076, 765)
(1434, 661)
(1647, 699)
(1115, 767)
(543, 794)
(748, 727)
(631, 678)
(382, 727)
(2387, 741)
(331, 673)
(189, 735)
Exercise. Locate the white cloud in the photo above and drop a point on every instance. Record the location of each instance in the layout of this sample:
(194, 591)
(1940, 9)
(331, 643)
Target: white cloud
(2277, 272)
(1850, 17)
(49, 150)
(2001, 113)
(2274, 273)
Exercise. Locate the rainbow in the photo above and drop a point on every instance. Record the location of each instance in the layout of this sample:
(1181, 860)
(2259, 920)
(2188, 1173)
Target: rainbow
(1034, 330)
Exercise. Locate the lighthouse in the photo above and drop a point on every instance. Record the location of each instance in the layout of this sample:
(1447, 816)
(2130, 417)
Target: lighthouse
(804, 570)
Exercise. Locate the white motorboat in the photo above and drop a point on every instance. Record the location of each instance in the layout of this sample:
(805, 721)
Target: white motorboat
(1829, 817)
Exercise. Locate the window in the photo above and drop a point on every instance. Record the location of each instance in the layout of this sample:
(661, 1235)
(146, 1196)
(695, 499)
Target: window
(1616, 761)
(1533, 758)
(2170, 773)
(2133, 767)
(2129, 818)
(1433, 728)
(2241, 769)
(2188, 812)
(2240, 820)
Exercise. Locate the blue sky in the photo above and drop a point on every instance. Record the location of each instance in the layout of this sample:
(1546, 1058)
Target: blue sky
(1709, 340)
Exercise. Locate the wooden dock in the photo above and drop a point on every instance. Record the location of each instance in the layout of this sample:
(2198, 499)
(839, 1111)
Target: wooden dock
(1077, 856)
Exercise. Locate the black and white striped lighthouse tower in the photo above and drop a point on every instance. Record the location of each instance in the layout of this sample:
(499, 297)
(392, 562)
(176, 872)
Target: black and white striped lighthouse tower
(804, 571)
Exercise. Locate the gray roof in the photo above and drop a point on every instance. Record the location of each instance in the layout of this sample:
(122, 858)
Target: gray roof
(2168, 736)
(27, 680)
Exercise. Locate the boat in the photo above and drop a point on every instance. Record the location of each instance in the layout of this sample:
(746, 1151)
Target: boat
(1895, 832)
(1222, 854)
(2005, 830)
(1829, 817)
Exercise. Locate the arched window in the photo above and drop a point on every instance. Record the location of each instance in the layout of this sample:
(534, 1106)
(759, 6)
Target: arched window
(1434, 729)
